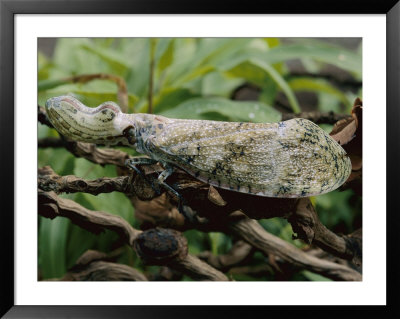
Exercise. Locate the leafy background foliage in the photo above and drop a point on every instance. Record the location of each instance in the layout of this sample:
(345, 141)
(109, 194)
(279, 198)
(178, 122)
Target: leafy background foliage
(232, 79)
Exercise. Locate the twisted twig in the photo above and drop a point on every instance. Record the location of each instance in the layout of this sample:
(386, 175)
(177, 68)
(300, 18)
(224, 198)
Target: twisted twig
(48, 180)
(155, 246)
(252, 232)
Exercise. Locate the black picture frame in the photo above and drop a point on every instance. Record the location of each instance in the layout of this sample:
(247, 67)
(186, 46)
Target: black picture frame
(8, 10)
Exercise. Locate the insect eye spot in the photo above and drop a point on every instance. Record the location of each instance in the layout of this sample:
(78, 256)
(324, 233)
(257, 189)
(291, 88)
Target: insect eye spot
(129, 133)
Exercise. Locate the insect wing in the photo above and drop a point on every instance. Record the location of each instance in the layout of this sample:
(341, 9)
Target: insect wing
(288, 159)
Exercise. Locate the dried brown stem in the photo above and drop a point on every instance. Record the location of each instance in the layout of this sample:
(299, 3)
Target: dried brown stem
(156, 246)
(199, 270)
(51, 206)
(259, 238)
(94, 255)
(97, 155)
(306, 224)
(94, 265)
(215, 204)
(253, 233)
(104, 271)
(254, 271)
(239, 254)
(210, 203)
(48, 180)
(159, 246)
(269, 244)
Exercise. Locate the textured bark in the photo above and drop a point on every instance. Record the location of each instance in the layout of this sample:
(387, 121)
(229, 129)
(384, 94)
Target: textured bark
(51, 206)
(104, 271)
(239, 254)
(215, 205)
(199, 270)
(155, 247)
(252, 232)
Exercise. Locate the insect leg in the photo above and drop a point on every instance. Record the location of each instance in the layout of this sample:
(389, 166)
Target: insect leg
(161, 179)
(163, 176)
(132, 162)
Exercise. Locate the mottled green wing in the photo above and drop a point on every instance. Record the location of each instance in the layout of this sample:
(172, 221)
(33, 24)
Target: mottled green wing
(294, 158)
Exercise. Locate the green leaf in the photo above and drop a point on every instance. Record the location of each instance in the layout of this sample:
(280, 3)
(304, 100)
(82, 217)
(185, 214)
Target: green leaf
(184, 50)
(338, 202)
(50, 84)
(200, 71)
(44, 66)
(52, 247)
(272, 42)
(72, 59)
(318, 85)
(42, 61)
(91, 94)
(219, 243)
(137, 51)
(273, 225)
(117, 62)
(311, 65)
(44, 131)
(248, 71)
(218, 84)
(256, 71)
(114, 203)
(199, 108)
(213, 51)
(337, 56)
(269, 92)
(314, 277)
(59, 159)
(89, 170)
(317, 51)
(170, 98)
(214, 241)
(96, 98)
(79, 241)
(206, 55)
(104, 42)
(328, 103)
(198, 241)
(167, 57)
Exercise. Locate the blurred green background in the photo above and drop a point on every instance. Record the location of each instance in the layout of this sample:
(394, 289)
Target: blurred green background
(232, 79)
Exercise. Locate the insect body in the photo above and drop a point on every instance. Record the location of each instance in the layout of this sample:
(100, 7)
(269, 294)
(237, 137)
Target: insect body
(294, 158)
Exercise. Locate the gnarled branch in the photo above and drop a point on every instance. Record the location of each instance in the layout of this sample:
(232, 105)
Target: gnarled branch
(253, 233)
(211, 203)
(156, 246)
